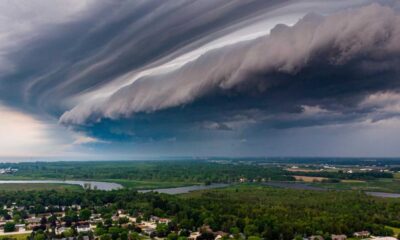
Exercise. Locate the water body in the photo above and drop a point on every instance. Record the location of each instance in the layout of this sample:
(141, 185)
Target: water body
(383, 194)
(180, 190)
(107, 186)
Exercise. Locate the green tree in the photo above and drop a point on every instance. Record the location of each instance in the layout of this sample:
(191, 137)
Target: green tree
(39, 236)
(85, 214)
(9, 227)
(254, 238)
(134, 236)
(105, 237)
(162, 229)
(172, 236)
(250, 230)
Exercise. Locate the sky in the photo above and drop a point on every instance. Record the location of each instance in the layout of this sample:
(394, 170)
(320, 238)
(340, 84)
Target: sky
(116, 80)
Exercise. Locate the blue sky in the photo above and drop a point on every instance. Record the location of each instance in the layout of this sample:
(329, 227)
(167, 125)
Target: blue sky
(86, 79)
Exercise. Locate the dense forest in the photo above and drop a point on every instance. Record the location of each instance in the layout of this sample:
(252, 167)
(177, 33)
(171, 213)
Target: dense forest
(175, 171)
(249, 209)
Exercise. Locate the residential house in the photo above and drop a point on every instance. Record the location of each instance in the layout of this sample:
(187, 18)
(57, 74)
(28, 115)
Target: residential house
(362, 234)
(83, 228)
(60, 230)
(193, 235)
(20, 227)
(338, 237)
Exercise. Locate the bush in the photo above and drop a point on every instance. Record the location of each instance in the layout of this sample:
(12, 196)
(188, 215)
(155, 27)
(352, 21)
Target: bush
(9, 227)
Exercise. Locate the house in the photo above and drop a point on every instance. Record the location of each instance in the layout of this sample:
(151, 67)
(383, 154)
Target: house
(220, 234)
(338, 237)
(20, 227)
(193, 235)
(33, 220)
(76, 206)
(148, 230)
(164, 220)
(316, 237)
(361, 234)
(60, 230)
(154, 219)
(83, 228)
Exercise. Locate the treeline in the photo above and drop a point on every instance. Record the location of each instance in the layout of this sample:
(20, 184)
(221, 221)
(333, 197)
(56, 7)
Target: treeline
(371, 175)
(172, 171)
(251, 210)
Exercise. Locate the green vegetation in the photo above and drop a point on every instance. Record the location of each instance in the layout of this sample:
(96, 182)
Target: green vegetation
(254, 210)
(146, 174)
(379, 185)
(9, 227)
(37, 186)
(23, 236)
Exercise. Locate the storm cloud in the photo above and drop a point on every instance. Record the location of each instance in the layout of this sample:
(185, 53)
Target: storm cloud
(210, 72)
(329, 63)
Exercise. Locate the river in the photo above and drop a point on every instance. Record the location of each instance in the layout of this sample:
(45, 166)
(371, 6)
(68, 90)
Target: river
(180, 190)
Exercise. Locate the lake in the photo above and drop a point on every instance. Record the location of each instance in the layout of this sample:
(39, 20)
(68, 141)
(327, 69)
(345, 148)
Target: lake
(93, 184)
(180, 190)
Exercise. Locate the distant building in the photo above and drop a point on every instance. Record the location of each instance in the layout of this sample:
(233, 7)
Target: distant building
(362, 234)
(316, 237)
(193, 235)
(338, 237)
(83, 228)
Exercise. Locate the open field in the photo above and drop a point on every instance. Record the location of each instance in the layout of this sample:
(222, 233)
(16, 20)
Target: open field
(17, 236)
(395, 230)
(352, 181)
(309, 179)
(37, 186)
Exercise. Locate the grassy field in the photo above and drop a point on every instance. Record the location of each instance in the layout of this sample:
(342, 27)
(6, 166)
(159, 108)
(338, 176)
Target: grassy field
(309, 179)
(15, 236)
(38, 186)
(397, 175)
(395, 230)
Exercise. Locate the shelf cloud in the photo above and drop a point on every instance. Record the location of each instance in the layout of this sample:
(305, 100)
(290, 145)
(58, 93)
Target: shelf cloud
(210, 72)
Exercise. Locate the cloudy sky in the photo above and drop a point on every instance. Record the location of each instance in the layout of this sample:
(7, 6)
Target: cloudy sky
(119, 79)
